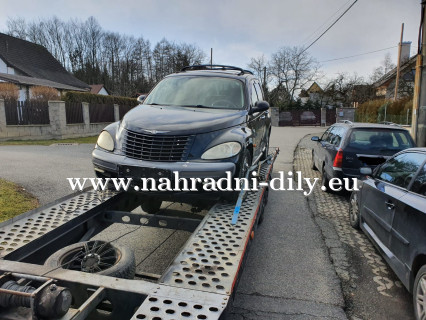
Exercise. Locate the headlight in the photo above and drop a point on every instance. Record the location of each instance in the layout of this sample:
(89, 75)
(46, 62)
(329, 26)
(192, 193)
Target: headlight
(222, 151)
(105, 141)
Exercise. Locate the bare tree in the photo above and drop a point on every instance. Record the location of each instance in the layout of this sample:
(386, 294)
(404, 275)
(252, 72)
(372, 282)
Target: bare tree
(293, 68)
(258, 65)
(386, 66)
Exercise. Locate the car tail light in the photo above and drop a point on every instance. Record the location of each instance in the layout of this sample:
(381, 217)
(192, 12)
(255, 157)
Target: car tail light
(338, 159)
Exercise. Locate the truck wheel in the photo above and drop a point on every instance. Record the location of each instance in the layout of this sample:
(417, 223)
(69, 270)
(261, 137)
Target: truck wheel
(151, 205)
(419, 293)
(95, 257)
(354, 210)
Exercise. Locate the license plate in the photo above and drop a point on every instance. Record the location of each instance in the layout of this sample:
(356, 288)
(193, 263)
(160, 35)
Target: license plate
(137, 172)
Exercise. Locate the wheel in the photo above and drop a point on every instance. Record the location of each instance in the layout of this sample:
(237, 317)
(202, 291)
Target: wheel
(419, 294)
(354, 210)
(151, 205)
(313, 166)
(324, 180)
(232, 196)
(95, 257)
(266, 151)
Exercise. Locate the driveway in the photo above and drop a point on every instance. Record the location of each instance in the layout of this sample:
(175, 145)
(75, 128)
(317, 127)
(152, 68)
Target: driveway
(288, 274)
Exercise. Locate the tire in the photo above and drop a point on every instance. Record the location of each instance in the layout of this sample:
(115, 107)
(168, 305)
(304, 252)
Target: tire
(266, 152)
(354, 211)
(151, 205)
(121, 259)
(419, 290)
(313, 166)
(324, 180)
(246, 162)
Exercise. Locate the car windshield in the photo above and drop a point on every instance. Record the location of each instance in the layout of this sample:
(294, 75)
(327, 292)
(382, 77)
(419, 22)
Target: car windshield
(191, 91)
(379, 139)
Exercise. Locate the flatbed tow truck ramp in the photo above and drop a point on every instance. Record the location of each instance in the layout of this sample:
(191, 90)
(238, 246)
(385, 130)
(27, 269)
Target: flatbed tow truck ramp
(50, 268)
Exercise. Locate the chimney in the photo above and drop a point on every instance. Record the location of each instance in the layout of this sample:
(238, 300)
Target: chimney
(405, 51)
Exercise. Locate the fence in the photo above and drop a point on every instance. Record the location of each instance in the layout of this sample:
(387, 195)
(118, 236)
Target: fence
(300, 118)
(101, 113)
(123, 110)
(74, 112)
(26, 112)
(55, 119)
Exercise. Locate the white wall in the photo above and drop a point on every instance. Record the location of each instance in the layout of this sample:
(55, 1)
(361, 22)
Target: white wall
(3, 66)
(103, 92)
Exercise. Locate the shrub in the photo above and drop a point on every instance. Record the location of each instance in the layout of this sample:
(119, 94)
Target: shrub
(374, 111)
(9, 91)
(41, 93)
(73, 96)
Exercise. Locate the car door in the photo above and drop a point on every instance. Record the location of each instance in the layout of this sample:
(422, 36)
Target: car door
(256, 123)
(330, 149)
(319, 152)
(381, 198)
(264, 117)
(408, 235)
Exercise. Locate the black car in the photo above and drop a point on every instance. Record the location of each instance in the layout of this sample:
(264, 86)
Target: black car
(346, 147)
(200, 122)
(390, 208)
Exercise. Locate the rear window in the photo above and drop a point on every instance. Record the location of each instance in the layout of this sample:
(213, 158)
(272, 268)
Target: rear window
(380, 140)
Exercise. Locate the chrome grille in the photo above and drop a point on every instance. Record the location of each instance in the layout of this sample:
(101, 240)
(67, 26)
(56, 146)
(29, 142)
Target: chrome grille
(153, 147)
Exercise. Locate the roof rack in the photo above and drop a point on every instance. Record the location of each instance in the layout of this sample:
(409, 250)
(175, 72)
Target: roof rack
(390, 123)
(347, 121)
(215, 67)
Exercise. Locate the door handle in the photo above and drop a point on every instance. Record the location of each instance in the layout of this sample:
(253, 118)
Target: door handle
(390, 205)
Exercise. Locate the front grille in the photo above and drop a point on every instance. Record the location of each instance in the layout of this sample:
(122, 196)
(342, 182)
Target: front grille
(153, 147)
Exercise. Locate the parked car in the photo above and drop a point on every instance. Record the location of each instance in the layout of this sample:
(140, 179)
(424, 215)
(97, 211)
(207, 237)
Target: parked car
(308, 117)
(390, 208)
(286, 118)
(346, 147)
(200, 122)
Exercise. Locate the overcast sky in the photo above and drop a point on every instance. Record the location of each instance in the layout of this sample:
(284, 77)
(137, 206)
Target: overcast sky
(240, 29)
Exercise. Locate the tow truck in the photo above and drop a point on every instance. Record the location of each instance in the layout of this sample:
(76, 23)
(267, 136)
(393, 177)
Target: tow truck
(199, 283)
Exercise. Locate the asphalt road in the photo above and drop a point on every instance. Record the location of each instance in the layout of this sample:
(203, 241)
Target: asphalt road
(288, 274)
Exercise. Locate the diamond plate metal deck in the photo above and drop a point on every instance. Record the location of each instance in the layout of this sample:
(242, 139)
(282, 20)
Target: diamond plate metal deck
(21, 230)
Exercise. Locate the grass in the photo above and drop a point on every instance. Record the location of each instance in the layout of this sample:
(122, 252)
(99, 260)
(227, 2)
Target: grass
(91, 140)
(14, 200)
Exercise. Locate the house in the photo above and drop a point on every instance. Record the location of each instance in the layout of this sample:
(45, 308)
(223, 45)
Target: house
(27, 64)
(313, 94)
(99, 89)
(385, 86)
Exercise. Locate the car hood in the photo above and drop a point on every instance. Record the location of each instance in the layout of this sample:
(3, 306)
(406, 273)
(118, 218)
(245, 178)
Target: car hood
(180, 120)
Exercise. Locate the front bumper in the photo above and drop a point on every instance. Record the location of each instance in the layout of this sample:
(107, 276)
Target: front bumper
(109, 164)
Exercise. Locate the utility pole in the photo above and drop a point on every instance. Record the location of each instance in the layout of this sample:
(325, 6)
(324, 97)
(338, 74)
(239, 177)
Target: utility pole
(419, 112)
(211, 56)
(398, 66)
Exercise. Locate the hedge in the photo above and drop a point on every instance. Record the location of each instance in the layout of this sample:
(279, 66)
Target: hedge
(73, 96)
(396, 111)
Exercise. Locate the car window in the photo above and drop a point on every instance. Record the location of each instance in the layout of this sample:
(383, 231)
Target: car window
(419, 184)
(336, 136)
(212, 92)
(259, 91)
(379, 139)
(401, 169)
(325, 135)
(254, 97)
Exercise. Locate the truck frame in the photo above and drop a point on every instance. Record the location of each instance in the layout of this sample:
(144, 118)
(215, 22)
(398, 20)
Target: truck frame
(200, 283)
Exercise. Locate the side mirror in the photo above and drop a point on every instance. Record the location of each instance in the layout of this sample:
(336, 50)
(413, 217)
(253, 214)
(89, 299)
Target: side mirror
(141, 98)
(260, 106)
(366, 171)
(315, 138)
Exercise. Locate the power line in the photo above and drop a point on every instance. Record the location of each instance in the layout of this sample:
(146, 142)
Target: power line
(325, 22)
(344, 12)
(360, 54)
